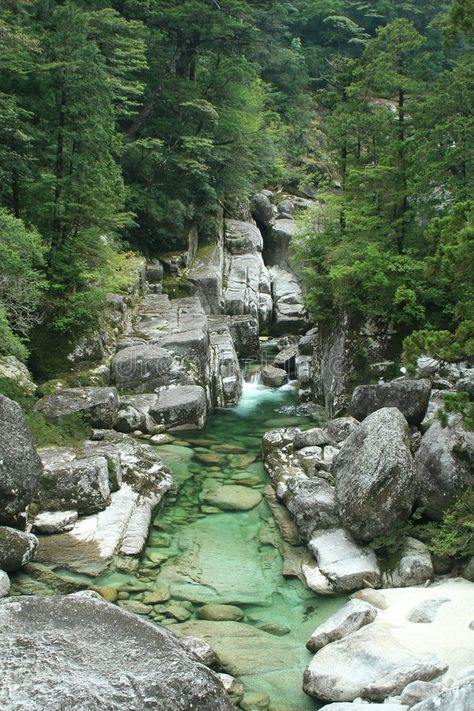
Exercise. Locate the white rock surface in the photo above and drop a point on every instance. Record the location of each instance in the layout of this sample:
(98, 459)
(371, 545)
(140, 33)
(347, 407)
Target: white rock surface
(350, 618)
(50, 522)
(369, 663)
(4, 584)
(316, 581)
(345, 563)
(94, 540)
(448, 636)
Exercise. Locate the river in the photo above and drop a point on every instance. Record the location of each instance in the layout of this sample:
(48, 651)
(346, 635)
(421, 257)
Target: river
(199, 554)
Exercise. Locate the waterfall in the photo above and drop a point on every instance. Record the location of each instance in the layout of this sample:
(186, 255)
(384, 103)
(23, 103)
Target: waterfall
(251, 367)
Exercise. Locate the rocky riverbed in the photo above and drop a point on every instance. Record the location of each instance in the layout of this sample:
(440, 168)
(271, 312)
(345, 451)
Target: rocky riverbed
(229, 519)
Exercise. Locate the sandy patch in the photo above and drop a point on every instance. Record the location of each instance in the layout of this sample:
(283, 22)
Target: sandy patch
(449, 636)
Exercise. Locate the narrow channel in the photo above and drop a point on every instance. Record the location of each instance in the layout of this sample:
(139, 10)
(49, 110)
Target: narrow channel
(234, 557)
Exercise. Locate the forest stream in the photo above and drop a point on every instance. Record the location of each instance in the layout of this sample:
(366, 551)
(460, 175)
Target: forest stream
(198, 554)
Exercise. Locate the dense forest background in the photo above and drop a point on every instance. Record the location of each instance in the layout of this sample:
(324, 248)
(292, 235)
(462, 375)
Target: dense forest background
(123, 122)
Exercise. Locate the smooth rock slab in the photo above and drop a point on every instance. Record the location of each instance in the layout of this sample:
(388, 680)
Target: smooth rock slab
(51, 522)
(84, 653)
(221, 562)
(348, 619)
(90, 546)
(233, 498)
(369, 663)
(20, 466)
(346, 564)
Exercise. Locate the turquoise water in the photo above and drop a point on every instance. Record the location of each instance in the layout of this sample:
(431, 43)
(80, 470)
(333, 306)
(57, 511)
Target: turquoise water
(202, 549)
(209, 555)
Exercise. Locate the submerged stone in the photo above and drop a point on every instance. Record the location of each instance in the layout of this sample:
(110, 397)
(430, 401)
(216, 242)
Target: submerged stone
(233, 498)
(220, 613)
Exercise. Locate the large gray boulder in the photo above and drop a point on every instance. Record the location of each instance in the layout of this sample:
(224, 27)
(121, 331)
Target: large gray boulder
(225, 373)
(84, 653)
(312, 504)
(347, 565)
(415, 566)
(411, 397)
(20, 466)
(289, 311)
(134, 413)
(70, 484)
(370, 664)
(142, 368)
(315, 437)
(242, 237)
(273, 377)
(247, 287)
(205, 274)
(445, 464)
(350, 618)
(180, 408)
(376, 479)
(16, 548)
(99, 406)
(263, 210)
(340, 428)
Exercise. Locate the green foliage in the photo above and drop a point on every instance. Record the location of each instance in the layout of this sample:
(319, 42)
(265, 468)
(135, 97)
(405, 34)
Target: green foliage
(389, 546)
(461, 17)
(134, 121)
(10, 343)
(21, 283)
(459, 404)
(70, 430)
(454, 537)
